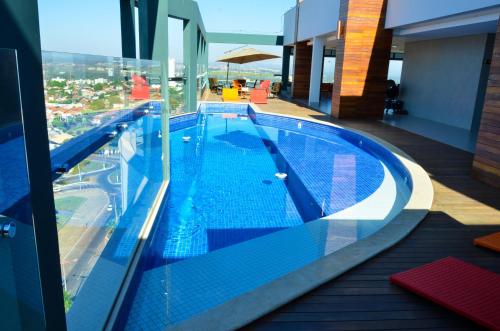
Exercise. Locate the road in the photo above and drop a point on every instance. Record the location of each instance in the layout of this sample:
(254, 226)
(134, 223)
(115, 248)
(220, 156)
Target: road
(84, 236)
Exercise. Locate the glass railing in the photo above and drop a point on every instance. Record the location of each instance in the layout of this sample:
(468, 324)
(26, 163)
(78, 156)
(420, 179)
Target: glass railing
(102, 205)
(104, 124)
(176, 86)
(84, 91)
(201, 80)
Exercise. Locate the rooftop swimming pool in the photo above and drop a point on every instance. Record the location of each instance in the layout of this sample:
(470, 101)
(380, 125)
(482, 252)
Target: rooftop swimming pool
(254, 197)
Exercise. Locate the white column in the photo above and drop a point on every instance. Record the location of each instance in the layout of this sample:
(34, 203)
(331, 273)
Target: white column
(316, 70)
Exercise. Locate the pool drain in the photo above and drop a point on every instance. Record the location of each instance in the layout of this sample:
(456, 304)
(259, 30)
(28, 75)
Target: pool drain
(186, 139)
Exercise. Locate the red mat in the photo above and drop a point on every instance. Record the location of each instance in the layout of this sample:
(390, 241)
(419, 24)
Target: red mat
(461, 287)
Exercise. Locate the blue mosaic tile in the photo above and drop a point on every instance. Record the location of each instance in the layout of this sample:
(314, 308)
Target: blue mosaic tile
(223, 190)
(224, 199)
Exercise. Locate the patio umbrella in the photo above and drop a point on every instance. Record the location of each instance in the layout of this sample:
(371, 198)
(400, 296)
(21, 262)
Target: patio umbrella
(245, 55)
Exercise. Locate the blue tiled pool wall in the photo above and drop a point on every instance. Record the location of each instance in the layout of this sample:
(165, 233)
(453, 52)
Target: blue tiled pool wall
(235, 108)
(183, 121)
(326, 132)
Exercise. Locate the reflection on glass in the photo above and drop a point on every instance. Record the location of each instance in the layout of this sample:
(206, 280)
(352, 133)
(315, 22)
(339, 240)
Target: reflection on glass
(20, 292)
(102, 204)
(84, 91)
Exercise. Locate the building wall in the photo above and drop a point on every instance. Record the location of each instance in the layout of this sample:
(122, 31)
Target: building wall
(289, 27)
(403, 12)
(440, 78)
(486, 164)
(316, 18)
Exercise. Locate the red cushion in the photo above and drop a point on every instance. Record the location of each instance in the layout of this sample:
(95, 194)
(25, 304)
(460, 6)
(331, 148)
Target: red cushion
(461, 287)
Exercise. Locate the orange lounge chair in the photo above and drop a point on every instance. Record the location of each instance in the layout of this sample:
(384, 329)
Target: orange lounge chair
(258, 95)
(230, 94)
(491, 241)
(461, 287)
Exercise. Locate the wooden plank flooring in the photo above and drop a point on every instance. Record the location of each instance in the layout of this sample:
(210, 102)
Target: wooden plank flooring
(363, 298)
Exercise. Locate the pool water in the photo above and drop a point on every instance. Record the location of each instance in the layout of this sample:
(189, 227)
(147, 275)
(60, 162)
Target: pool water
(223, 190)
(225, 199)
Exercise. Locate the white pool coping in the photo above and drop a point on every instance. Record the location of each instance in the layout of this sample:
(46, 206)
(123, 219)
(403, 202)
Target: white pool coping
(250, 306)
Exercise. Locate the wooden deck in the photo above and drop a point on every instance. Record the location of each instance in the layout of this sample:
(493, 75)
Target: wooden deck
(363, 298)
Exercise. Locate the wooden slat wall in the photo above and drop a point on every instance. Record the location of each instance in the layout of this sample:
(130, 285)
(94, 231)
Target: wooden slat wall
(362, 60)
(302, 71)
(486, 166)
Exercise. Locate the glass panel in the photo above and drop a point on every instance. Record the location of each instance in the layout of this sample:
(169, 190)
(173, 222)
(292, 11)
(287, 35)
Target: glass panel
(20, 292)
(176, 86)
(106, 111)
(84, 91)
(201, 80)
(102, 205)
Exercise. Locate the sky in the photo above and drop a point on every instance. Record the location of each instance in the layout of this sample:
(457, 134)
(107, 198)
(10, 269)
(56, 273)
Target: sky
(93, 26)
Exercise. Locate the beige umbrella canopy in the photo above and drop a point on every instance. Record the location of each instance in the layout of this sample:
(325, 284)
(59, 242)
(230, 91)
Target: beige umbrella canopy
(245, 55)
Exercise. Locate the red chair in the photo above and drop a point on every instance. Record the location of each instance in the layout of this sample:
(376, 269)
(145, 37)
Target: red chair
(258, 95)
(266, 84)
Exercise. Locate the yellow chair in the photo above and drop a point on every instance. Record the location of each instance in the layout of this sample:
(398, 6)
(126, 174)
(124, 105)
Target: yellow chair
(230, 94)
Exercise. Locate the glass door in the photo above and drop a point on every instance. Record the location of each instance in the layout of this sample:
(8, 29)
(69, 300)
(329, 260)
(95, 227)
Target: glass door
(20, 290)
